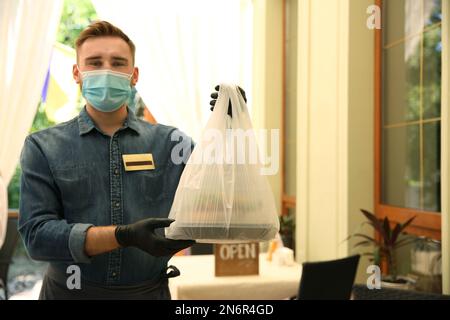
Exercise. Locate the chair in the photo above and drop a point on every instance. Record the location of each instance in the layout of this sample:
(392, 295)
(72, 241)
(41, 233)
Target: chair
(7, 252)
(328, 280)
(361, 292)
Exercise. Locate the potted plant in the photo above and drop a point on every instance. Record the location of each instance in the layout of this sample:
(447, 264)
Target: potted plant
(385, 244)
(287, 229)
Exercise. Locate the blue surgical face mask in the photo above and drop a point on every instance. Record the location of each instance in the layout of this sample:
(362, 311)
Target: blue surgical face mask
(133, 99)
(106, 90)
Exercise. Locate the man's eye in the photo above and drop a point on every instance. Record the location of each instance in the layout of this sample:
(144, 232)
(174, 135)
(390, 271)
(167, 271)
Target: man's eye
(118, 64)
(95, 63)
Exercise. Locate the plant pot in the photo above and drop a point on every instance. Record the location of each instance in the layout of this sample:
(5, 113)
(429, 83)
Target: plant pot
(402, 283)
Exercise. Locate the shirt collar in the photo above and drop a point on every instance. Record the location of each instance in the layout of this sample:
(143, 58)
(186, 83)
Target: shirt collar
(85, 123)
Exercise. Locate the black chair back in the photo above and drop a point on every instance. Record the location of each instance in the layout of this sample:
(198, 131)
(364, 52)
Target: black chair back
(328, 280)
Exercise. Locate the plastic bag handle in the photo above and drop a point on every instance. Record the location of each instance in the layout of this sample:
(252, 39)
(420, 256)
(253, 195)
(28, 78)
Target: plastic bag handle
(229, 96)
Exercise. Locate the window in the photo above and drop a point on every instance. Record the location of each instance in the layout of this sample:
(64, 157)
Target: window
(408, 110)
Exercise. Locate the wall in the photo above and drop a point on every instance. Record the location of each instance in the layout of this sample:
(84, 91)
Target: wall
(361, 121)
(267, 73)
(335, 125)
(290, 138)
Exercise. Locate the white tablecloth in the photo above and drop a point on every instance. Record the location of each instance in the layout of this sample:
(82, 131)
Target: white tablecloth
(197, 281)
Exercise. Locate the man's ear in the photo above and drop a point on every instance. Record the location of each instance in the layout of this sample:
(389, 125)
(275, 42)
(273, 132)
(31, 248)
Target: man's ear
(76, 74)
(135, 77)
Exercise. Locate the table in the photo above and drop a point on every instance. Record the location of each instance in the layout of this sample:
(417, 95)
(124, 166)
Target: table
(197, 281)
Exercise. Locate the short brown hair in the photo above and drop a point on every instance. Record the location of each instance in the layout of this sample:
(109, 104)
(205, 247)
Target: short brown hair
(103, 29)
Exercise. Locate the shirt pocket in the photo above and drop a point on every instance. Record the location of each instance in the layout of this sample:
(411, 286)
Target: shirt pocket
(150, 184)
(76, 187)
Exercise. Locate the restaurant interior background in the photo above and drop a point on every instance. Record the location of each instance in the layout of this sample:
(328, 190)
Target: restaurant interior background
(363, 112)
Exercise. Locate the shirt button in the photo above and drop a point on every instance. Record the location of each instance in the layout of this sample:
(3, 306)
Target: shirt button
(117, 204)
(116, 171)
(114, 274)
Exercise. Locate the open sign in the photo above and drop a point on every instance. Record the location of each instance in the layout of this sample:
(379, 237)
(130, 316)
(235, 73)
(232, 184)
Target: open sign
(236, 259)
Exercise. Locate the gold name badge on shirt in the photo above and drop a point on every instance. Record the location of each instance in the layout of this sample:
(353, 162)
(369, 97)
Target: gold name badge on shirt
(135, 162)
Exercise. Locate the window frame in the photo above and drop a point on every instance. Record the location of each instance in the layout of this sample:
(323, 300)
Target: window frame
(426, 223)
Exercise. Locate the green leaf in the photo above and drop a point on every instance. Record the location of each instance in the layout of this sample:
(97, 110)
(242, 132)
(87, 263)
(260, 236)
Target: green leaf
(403, 243)
(395, 233)
(370, 254)
(373, 220)
(386, 231)
(362, 243)
(365, 237)
(407, 223)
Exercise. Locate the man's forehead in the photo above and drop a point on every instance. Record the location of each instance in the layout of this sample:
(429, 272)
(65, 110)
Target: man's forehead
(104, 47)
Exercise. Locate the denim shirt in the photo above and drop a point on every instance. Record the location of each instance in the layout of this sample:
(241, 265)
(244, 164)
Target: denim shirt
(73, 178)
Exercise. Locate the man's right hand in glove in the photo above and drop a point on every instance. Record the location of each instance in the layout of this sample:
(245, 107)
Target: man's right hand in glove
(141, 235)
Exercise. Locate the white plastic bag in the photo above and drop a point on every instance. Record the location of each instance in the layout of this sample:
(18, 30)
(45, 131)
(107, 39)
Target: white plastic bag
(222, 197)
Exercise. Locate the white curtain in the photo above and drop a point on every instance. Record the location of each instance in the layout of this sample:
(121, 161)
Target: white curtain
(185, 48)
(27, 34)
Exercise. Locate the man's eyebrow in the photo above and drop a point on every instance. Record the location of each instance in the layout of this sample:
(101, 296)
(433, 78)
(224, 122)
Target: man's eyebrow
(93, 58)
(120, 58)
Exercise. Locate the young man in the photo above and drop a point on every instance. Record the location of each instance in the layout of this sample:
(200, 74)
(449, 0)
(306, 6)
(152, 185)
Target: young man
(96, 191)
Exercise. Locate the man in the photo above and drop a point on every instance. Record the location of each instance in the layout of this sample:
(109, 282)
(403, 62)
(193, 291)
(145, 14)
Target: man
(96, 191)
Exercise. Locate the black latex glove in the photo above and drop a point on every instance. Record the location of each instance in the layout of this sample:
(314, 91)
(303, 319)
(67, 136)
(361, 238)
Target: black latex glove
(142, 235)
(215, 94)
